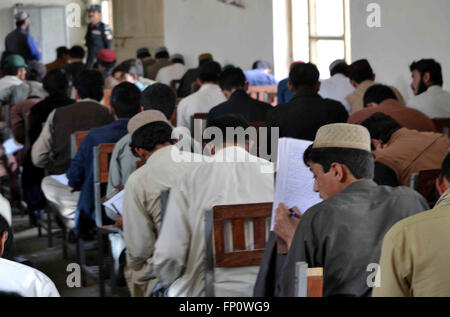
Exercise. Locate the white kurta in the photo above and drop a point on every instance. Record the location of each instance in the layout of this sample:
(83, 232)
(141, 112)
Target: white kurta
(25, 281)
(435, 103)
(142, 212)
(171, 72)
(337, 88)
(202, 101)
(180, 250)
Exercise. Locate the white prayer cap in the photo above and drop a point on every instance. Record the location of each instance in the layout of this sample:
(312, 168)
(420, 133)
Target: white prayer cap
(144, 118)
(343, 135)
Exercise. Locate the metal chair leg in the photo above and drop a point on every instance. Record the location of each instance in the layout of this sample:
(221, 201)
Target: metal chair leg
(101, 264)
(82, 260)
(49, 228)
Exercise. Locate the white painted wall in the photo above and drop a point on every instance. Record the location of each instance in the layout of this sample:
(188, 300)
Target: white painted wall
(410, 30)
(233, 35)
(76, 35)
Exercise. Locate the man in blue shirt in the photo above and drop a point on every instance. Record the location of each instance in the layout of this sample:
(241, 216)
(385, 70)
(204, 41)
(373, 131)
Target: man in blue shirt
(20, 41)
(260, 75)
(125, 102)
(284, 93)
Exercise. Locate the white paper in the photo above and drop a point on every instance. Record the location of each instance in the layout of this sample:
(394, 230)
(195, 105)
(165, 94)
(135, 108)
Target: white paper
(294, 184)
(61, 179)
(11, 147)
(116, 203)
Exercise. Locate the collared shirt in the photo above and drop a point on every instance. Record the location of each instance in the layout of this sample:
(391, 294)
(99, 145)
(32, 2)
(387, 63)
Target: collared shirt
(337, 88)
(435, 102)
(25, 281)
(344, 233)
(171, 72)
(9, 81)
(180, 249)
(406, 117)
(81, 174)
(258, 77)
(414, 259)
(142, 211)
(202, 101)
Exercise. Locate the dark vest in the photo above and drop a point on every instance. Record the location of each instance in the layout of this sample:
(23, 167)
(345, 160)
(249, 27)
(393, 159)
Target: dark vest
(81, 116)
(16, 42)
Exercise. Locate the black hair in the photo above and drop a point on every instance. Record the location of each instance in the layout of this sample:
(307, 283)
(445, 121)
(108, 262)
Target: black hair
(304, 75)
(159, 97)
(107, 65)
(261, 65)
(361, 71)
(8, 251)
(9, 294)
(131, 66)
(55, 82)
(381, 126)
(429, 66)
(126, 100)
(234, 121)
(163, 54)
(341, 68)
(89, 84)
(360, 163)
(143, 55)
(77, 52)
(378, 93)
(150, 135)
(209, 72)
(62, 50)
(11, 71)
(445, 171)
(20, 23)
(33, 73)
(232, 78)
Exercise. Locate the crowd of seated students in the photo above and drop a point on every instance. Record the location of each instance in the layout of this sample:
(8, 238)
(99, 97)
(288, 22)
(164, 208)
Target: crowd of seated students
(366, 145)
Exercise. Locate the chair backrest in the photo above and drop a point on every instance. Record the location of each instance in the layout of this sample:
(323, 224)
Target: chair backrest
(75, 141)
(214, 233)
(198, 125)
(101, 155)
(308, 282)
(425, 183)
(107, 98)
(264, 93)
(442, 125)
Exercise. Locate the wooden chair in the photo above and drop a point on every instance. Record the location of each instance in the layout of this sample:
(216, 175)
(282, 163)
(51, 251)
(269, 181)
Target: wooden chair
(442, 125)
(425, 183)
(75, 141)
(107, 98)
(264, 93)
(308, 282)
(198, 125)
(239, 257)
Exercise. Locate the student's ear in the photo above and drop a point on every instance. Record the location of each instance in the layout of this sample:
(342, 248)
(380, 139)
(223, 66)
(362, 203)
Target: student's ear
(374, 77)
(290, 87)
(247, 84)
(143, 154)
(427, 79)
(3, 239)
(317, 88)
(372, 105)
(442, 186)
(249, 144)
(354, 83)
(209, 147)
(338, 171)
(378, 144)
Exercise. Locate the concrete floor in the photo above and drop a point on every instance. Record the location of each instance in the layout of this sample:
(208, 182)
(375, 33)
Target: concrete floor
(50, 260)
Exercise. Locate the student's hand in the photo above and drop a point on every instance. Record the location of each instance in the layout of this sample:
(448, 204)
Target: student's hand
(285, 224)
(117, 225)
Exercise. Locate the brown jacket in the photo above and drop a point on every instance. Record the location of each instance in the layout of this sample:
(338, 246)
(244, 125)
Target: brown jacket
(17, 118)
(406, 117)
(410, 151)
(356, 99)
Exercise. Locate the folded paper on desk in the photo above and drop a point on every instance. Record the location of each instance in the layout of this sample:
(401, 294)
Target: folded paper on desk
(294, 185)
(115, 203)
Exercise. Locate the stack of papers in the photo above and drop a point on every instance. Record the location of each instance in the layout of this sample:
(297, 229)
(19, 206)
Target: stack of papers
(116, 203)
(294, 184)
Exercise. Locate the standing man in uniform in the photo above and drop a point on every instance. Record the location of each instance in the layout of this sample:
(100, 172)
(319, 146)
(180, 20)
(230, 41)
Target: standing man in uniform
(99, 35)
(20, 41)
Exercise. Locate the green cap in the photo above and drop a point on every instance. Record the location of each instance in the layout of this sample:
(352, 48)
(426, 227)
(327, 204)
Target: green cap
(15, 61)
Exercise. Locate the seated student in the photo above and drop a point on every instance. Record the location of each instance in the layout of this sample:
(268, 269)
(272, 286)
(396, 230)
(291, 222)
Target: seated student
(125, 103)
(338, 86)
(414, 261)
(400, 152)
(172, 72)
(162, 59)
(260, 75)
(18, 278)
(165, 163)
(231, 176)
(284, 93)
(52, 149)
(362, 77)
(234, 87)
(429, 97)
(15, 70)
(381, 98)
(188, 80)
(209, 95)
(62, 59)
(76, 65)
(56, 85)
(307, 111)
(131, 71)
(146, 58)
(342, 234)
(106, 59)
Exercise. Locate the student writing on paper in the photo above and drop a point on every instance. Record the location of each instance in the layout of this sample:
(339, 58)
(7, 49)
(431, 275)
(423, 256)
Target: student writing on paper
(343, 234)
